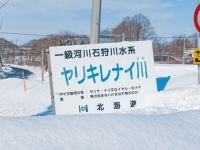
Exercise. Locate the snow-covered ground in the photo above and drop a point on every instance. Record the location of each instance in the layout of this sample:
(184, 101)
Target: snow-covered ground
(168, 119)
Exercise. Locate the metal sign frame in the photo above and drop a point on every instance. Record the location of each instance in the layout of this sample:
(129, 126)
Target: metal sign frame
(51, 82)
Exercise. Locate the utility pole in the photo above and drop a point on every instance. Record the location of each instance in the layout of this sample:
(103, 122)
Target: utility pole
(198, 47)
(1, 60)
(123, 37)
(184, 49)
(1, 23)
(95, 22)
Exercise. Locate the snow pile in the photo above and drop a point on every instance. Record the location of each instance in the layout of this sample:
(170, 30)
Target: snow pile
(14, 101)
(181, 93)
(168, 119)
(99, 132)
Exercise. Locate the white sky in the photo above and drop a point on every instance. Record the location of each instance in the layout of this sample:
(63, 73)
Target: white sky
(44, 17)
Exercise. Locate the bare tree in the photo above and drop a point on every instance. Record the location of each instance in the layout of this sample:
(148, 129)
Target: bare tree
(124, 27)
(106, 31)
(136, 28)
(142, 28)
(192, 41)
(160, 47)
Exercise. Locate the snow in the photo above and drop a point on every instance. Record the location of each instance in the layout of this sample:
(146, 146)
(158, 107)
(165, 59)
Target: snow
(165, 120)
(6, 70)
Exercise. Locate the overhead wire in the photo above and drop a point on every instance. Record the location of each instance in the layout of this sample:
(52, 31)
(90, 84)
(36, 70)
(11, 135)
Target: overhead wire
(32, 34)
(29, 34)
(4, 4)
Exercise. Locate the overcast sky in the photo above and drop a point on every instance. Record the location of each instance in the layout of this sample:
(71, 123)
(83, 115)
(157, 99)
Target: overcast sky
(44, 17)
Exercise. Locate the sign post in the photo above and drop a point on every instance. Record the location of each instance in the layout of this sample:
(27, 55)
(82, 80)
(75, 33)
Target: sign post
(51, 83)
(197, 26)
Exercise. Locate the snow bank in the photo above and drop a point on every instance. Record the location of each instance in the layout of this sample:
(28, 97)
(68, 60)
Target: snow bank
(100, 132)
(165, 120)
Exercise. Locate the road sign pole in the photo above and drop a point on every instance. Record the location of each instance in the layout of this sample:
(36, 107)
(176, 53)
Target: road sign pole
(198, 64)
(199, 74)
(198, 32)
(51, 82)
(198, 47)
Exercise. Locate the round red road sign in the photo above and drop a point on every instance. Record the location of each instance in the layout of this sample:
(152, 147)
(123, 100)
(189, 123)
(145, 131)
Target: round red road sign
(196, 23)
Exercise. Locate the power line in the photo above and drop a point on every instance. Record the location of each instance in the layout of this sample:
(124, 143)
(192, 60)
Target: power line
(45, 35)
(169, 37)
(29, 34)
(4, 4)
(176, 37)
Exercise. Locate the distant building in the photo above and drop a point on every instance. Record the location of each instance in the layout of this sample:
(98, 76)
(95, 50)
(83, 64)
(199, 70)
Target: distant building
(106, 38)
(189, 55)
(165, 59)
